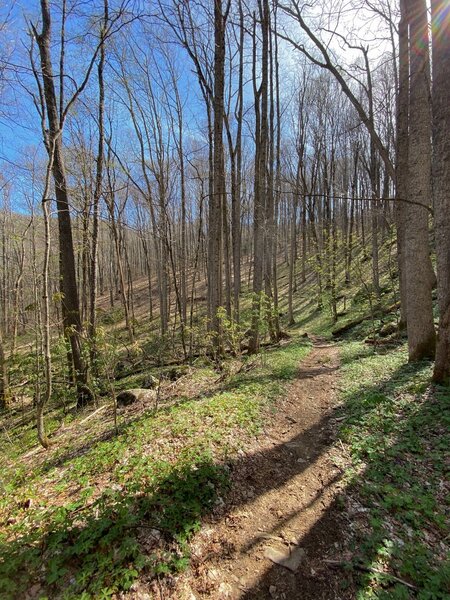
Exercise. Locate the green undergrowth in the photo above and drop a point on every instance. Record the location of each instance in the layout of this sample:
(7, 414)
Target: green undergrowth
(355, 299)
(396, 427)
(353, 305)
(96, 514)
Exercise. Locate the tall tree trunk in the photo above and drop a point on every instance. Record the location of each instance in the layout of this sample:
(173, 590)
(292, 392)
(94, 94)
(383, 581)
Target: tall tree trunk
(17, 287)
(304, 239)
(97, 193)
(44, 328)
(277, 193)
(3, 376)
(184, 248)
(401, 167)
(110, 202)
(226, 255)
(421, 334)
(164, 301)
(218, 196)
(42, 400)
(261, 138)
(69, 290)
(440, 16)
(293, 236)
(348, 264)
(236, 197)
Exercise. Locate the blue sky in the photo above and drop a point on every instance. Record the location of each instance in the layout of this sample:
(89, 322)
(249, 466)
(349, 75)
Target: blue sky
(20, 135)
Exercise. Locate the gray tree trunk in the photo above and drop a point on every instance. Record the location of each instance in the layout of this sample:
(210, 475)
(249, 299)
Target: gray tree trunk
(3, 376)
(421, 334)
(97, 195)
(441, 180)
(261, 138)
(402, 161)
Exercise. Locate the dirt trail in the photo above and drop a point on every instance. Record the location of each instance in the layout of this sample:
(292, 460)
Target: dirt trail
(281, 504)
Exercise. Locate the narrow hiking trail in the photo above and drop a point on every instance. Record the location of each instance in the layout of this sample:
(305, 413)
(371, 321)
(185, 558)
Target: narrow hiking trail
(281, 506)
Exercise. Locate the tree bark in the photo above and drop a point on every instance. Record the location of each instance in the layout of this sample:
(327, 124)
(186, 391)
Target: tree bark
(293, 244)
(236, 198)
(3, 376)
(441, 180)
(261, 138)
(421, 334)
(69, 290)
(97, 192)
(402, 161)
(217, 198)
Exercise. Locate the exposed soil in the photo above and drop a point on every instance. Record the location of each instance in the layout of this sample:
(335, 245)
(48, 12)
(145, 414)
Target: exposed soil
(282, 503)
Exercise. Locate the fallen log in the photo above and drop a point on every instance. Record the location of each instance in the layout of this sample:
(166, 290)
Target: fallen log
(344, 328)
(378, 312)
(128, 397)
(382, 342)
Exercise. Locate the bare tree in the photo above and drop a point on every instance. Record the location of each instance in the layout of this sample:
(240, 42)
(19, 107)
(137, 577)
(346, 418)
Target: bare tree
(325, 61)
(42, 400)
(261, 100)
(98, 186)
(52, 106)
(56, 114)
(402, 158)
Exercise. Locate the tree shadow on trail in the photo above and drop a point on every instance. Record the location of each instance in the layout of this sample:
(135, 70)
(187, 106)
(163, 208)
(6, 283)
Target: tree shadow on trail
(399, 523)
(106, 544)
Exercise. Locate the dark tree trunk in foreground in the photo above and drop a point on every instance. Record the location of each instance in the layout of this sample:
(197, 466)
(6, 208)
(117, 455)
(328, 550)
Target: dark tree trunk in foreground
(70, 305)
(218, 195)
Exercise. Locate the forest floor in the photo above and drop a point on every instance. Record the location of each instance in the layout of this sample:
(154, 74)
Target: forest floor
(280, 524)
(317, 469)
(344, 496)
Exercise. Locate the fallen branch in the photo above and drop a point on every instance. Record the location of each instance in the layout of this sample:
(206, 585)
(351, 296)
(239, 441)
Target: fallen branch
(7, 434)
(92, 414)
(337, 563)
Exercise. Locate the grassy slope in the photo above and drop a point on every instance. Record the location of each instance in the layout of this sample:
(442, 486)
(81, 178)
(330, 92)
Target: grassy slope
(78, 522)
(75, 520)
(396, 429)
